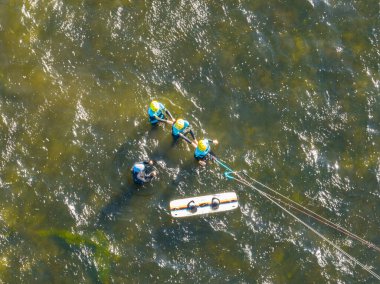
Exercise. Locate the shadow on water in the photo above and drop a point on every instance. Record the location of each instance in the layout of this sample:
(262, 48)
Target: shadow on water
(115, 206)
(128, 153)
(186, 240)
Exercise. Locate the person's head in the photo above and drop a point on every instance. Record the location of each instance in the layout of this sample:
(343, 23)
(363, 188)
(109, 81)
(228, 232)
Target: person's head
(154, 105)
(203, 144)
(179, 124)
(138, 168)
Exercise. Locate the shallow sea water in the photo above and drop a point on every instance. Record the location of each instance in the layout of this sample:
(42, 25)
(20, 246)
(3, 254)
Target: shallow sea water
(289, 88)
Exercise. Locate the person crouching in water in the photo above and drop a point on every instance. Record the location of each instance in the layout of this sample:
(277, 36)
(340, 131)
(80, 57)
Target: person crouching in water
(156, 112)
(140, 172)
(181, 128)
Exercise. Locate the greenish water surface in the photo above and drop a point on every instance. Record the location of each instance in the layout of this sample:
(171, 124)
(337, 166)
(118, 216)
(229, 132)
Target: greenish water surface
(289, 88)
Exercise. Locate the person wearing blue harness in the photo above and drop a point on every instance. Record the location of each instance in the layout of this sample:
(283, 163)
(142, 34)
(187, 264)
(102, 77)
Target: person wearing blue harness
(181, 128)
(140, 172)
(203, 151)
(156, 112)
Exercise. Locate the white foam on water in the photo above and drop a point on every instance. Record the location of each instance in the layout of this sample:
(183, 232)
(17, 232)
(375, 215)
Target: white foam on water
(250, 157)
(81, 218)
(25, 12)
(81, 113)
(10, 145)
(377, 192)
(117, 23)
(247, 249)
(320, 258)
(47, 61)
(79, 125)
(57, 5)
(313, 2)
(325, 198)
(311, 153)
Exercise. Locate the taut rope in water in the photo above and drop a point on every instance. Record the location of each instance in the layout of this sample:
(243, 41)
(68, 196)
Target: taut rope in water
(230, 174)
(317, 217)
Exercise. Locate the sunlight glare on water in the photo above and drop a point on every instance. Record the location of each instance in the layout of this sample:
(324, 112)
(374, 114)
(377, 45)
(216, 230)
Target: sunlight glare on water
(289, 88)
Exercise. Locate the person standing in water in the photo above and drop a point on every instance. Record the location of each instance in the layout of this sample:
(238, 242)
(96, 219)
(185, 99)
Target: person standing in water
(202, 151)
(157, 111)
(142, 172)
(181, 128)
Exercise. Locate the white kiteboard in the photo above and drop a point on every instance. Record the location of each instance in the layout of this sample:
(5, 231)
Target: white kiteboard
(204, 204)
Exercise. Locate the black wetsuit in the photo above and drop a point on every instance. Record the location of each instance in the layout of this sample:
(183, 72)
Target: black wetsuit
(141, 177)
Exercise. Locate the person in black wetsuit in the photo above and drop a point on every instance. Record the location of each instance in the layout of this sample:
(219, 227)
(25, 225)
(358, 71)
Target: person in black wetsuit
(142, 173)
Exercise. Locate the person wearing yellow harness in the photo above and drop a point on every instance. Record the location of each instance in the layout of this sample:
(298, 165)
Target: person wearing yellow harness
(156, 112)
(181, 128)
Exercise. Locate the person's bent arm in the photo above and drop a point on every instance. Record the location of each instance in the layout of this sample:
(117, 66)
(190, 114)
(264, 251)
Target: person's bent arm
(163, 120)
(213, 141)
(169, 114)
(192, 134)
(148, 177)
(188, 140)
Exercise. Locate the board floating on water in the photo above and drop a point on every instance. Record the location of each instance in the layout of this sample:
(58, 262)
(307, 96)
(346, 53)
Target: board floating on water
(204, 204)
